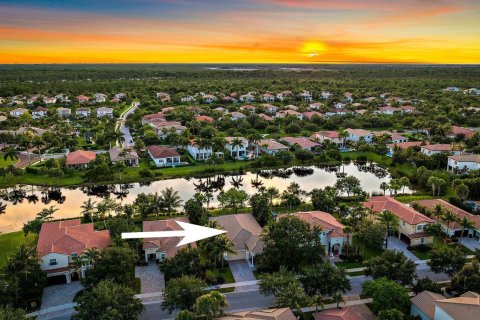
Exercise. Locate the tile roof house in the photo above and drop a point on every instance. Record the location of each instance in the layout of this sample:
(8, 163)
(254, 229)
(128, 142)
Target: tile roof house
(432, 306)
(464, 162)
(18, 112)
(270, 314)
(412, 222)
(82, 112)
(310, 114)
(80, 158)
(331, 235)
(201, 153)
(128, 156)
(332, 136)
(432, 149)
(455, 228)
(355, 135)
(245, 233)
(302, 142)
(39, 112)
(204, 118)
(150, 117)
(104, 112)
(82, 99)
(164, 156)
(237, 115)
(162, 248)
(60, 241)
(238, 151)
(357, 312)
(270, 146)
(64, 112)
(265, 117)
(466, 132)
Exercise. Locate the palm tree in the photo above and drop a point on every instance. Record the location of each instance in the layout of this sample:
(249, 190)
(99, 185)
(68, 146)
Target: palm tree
(390, 221)
(171, 200)
(449, 217)
(10, 153)
(348, 231)
(405, 182)
(255, 139)
(384, 187)
(272, 193)
(223, 245)
(337, 297)
(466, 224)
(38, 143)
(120, 167)
(88, 208)
(343, 134)
(437, 212)
(235, 144)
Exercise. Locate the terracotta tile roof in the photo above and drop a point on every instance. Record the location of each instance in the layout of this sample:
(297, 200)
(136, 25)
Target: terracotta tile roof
(272, 144)
(270, 314)
(359, 132)
(358, 312)
(406, 145)
(70, 236)
(243, 230)
(158, 115)
(321, 219)
(404, 212)
(168, 245)
(159, 152)
(230, 139)
(328, 134)
(431, 203)
(301, 141)
(204, 118)
(265, 117)
(80, 157)
(424, 301)
(466, 158)
(438, 147)
(467, 132)
(239, 115)
(311, 114)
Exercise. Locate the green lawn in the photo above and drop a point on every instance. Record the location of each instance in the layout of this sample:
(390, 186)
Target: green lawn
(441, 243)
(355, 274)
(9, 242)
(226, 274)
(383, 161)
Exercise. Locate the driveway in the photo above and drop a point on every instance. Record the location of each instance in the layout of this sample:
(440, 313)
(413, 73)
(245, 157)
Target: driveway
(241, 272)
(470, 243)
(151, 278)
(124, 129)
(58, 295)
(397, 245)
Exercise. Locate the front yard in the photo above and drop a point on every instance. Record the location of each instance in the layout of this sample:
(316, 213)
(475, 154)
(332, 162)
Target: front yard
(423, 253)
(9, 243)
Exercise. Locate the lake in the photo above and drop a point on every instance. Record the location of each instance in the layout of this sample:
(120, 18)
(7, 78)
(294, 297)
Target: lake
(24, 202)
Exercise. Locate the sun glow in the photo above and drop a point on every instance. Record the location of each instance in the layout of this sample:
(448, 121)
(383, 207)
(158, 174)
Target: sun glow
(313, 48)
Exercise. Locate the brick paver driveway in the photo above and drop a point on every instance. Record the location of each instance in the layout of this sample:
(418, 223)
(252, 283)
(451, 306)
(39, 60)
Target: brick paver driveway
(151, 278)
(241, 272)
(58, 295)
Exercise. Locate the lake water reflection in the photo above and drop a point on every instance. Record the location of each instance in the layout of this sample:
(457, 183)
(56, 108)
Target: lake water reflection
(24, 202)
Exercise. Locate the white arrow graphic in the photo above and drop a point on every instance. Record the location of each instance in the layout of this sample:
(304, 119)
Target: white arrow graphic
(190, 233)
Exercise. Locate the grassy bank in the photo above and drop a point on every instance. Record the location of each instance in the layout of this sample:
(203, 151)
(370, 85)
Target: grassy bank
(383, 161)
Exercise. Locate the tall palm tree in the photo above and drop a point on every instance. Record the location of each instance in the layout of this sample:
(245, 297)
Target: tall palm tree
(170, 200)
(384, 187)
(449, 216)
(88, 208)
(466, 224)
(343, 134)
(255, 138)
(223, 245)
(348, 231)
(272, 193)
(390, 221)
(437, 212)
(235, 144)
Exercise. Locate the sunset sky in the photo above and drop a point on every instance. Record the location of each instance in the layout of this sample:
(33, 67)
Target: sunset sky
(240, 31)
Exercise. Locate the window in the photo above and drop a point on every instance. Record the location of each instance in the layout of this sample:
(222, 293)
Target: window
(74, 255)
(53, 262)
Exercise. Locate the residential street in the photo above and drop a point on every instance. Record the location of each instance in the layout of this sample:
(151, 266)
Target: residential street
(124, 129)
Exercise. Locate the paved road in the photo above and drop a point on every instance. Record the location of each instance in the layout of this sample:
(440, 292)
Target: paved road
(124, 129)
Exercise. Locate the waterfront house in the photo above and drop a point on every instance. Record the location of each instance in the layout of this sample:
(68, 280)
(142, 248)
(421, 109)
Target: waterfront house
(201, 153)
(412, 223)
(163, 248)
(331, 230)
(245, 233)
(270, 146)
(164, 156)
(237, 150)
(80, 158)
(60, 242)
(127, 156)
(354, 135)
(303, 142)
(432, 149)
(332, 136)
